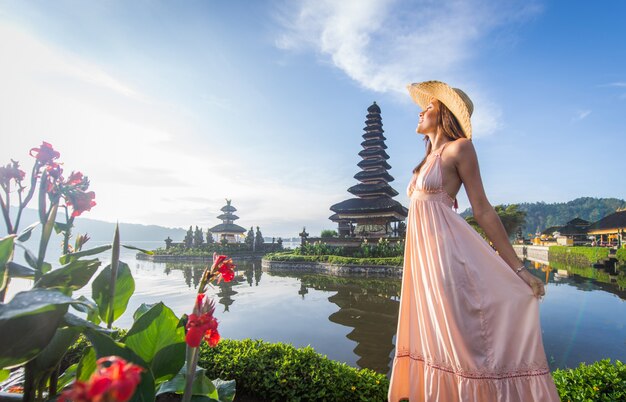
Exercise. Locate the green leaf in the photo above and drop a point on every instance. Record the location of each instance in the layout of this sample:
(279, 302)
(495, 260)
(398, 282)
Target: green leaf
(86, 365)
(225, 389)
(90, 308)
(61, 227)
(138, 249)
(28, 256)
(65, 258)
(72, 276)
(202, 386)
(4, 374)
(144, 308)
(124, 288)
(67, 377)
(46, 232)
(54, 351)
(20, 271)
(35, 316)
(46, 267)
(6, 255)
(32, 302)
(157, 338)
(74, 321)
(105, 346)
(25, 235)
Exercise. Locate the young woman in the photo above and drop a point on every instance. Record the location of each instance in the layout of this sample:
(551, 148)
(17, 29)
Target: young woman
(468, 326)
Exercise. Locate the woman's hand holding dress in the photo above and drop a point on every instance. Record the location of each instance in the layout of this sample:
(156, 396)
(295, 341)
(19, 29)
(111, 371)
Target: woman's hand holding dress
(535, 283)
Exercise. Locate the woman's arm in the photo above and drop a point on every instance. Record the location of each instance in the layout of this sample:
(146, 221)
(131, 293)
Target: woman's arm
(466, 164)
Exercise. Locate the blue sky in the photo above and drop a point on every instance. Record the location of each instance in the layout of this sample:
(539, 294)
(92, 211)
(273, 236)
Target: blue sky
(171, 107)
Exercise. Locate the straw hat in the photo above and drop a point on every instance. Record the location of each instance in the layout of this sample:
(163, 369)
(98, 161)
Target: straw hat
(456, 100)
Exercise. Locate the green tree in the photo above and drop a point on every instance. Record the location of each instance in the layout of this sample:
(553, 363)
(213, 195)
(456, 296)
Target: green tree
(258, 240)
(511, 216)
(329, 233)
(250, 239)
(198, 238)
(189, 238)
(209, 237)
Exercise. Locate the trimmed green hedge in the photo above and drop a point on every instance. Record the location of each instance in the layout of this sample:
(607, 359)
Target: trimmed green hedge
(600, 381)
(281, 372)
(578, 256)
(621, 256)
(334, 259)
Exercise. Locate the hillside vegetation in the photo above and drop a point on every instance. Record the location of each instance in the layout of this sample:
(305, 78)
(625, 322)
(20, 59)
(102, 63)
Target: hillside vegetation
(541, 215)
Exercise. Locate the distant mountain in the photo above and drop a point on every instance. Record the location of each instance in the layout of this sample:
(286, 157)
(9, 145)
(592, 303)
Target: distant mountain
(540, 215)
(103, 231)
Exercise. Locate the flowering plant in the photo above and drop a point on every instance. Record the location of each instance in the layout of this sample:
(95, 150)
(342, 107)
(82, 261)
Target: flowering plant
(201, 324)
(37, 327)
(114, 380)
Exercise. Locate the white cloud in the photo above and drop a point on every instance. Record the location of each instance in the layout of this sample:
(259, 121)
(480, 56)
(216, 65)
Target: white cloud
(385, 44)
(133, 147)
(581, 114)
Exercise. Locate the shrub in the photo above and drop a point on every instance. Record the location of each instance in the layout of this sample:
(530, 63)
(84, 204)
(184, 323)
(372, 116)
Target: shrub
(334, 259)
(600, 381)
(621, 256)
(578, 256)
(281, 372)
(328, 233)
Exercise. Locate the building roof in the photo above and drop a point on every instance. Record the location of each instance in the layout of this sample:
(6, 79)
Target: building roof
(228, 208)
(551, 230)
(369, 205)
(366, 153)
(228, 216)
(227, 228)
(578, 222)
(374, 142)
(374, 162)
(374, 108)
(614, 221)
(365, 189)
(374, 174)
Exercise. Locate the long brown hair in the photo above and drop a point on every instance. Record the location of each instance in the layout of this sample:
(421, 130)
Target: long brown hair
(448, 125)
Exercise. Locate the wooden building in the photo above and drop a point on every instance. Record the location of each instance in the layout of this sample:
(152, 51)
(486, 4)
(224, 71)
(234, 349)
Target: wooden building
(228, 229)
(374, 212)
(610, 230)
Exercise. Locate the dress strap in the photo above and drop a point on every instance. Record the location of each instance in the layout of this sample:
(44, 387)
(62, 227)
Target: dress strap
(442, 148)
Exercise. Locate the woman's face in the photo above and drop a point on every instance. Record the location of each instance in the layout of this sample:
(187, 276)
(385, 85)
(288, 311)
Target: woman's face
(428, 118)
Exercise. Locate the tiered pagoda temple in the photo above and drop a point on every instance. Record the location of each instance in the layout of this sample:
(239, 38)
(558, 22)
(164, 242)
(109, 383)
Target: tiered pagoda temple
(374, 212)
(227, 229)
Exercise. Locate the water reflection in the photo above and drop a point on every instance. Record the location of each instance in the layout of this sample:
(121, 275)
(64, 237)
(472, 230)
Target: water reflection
(354, 319)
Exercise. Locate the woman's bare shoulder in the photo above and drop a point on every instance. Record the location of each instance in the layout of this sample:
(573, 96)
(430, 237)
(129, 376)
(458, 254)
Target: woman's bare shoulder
(463, 148)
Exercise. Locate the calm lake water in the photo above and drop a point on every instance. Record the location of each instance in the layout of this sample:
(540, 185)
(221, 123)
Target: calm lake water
(353, 319)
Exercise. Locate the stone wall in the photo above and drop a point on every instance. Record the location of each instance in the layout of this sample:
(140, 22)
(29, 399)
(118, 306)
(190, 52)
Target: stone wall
(535, 253)
(189, 258)
(327, 268)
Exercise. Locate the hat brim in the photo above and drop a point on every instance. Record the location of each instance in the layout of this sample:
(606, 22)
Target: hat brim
(423, 92)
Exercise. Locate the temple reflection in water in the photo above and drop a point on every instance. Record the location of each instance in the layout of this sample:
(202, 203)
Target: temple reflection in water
(367, 307)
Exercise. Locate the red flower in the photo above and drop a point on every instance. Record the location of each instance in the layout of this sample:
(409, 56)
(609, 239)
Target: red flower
(11, 172)
(45, 154)
(74, 179)
(116, 381)
(224, 266)
(201, 324)
(81, 201)
(55, 171)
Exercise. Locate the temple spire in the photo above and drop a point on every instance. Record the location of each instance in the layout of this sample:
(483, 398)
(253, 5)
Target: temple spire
(374, 209)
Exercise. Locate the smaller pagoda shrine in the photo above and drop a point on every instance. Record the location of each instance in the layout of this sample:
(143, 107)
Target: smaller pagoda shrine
(374, 213)
(228, 230)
